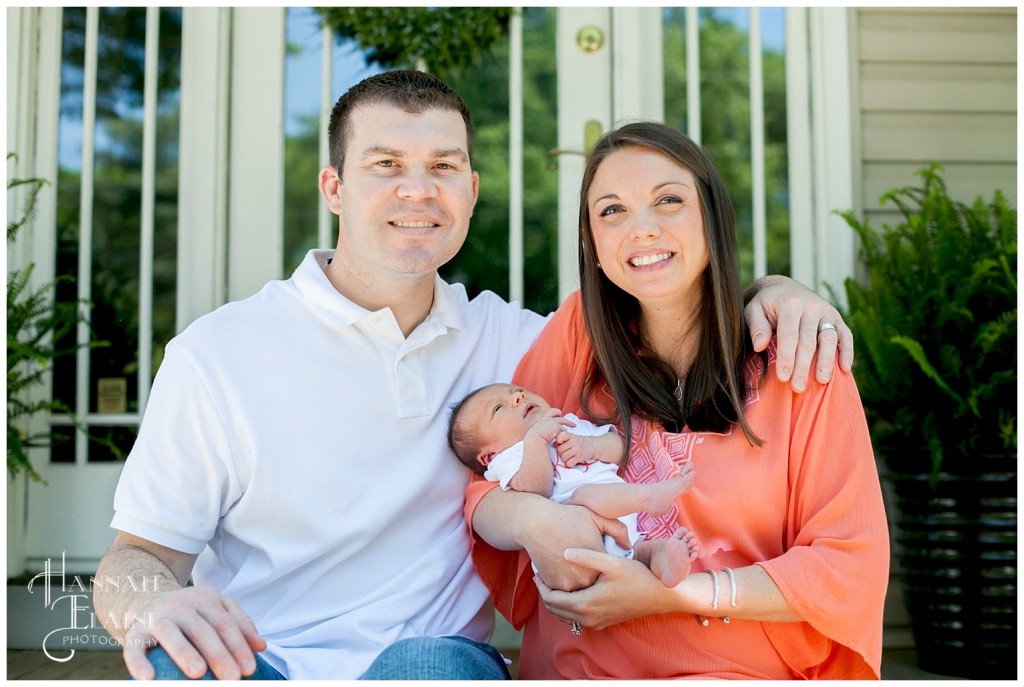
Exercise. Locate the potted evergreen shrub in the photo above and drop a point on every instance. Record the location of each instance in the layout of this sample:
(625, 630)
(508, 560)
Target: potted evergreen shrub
(934, 315)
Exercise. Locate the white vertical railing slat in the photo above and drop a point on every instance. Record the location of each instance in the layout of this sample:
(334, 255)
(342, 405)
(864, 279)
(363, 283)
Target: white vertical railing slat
(256, 155)
(515, 161)
(799, 148)
(757, 146)
(92, 23)
(693, 123)
(145, 369)
(323, 217)
(202, 162)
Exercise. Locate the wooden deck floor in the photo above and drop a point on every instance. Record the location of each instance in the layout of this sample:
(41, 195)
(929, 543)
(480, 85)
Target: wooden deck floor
(84, 665)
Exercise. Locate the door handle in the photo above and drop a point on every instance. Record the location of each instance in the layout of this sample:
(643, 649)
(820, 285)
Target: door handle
(591, 134)
(555, 152)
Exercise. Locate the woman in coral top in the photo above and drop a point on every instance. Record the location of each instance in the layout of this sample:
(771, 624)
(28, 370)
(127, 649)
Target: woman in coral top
(786, 503)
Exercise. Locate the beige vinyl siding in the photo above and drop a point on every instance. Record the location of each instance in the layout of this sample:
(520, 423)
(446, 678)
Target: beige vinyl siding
(936, 85)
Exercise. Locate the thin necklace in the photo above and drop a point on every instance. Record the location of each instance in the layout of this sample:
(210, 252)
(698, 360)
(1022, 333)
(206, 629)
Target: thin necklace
(678, 391)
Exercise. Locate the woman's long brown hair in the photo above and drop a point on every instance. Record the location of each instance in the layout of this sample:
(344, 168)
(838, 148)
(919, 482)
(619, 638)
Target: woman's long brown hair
(641, 383)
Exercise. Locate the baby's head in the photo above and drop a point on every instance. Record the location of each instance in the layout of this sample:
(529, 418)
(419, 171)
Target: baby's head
(491, 419)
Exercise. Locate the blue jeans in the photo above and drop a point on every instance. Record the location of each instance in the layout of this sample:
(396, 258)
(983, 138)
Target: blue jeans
(438, 658)
(166, 669)
(417, 658)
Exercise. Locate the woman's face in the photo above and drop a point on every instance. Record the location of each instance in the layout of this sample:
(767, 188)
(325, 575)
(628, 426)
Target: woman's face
(647, 225)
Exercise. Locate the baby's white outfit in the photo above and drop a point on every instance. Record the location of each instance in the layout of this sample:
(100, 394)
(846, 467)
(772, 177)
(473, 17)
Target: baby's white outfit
(504, 466)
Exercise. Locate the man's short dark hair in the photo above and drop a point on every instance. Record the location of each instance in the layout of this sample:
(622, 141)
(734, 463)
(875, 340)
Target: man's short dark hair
(412, 91)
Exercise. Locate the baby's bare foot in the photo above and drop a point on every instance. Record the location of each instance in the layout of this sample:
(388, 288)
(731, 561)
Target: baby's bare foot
(672, 558)
(663, 494)
(688, 474)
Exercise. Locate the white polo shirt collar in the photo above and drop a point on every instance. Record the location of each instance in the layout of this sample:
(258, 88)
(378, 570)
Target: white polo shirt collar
(327, 302)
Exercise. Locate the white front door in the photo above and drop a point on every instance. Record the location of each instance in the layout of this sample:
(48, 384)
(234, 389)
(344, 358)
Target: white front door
(609, 71)
(98, 90)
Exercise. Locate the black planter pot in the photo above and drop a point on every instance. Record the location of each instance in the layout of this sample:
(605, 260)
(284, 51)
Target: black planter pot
(957, 547)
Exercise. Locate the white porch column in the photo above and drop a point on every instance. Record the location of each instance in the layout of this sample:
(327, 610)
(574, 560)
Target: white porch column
(33, 97)
(203, 159)
(821, 140)
(231, 185)
(22, 29)
(638, 84)
(256, 177)
(833, 146)
(609, 74)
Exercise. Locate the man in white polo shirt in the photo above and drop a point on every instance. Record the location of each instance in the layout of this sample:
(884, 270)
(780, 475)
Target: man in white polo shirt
(293, 459)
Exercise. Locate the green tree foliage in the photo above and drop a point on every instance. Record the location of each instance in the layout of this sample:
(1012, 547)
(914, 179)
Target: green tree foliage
(443, 38)
(120, 63)
(482, 81)
(483, 261)
(301, 195)
(725, 123)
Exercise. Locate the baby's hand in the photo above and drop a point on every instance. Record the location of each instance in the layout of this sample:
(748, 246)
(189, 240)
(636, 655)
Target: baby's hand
(551, 426)
(574, 449)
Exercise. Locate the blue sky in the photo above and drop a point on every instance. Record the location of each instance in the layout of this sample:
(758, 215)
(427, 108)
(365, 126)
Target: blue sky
(302, 70)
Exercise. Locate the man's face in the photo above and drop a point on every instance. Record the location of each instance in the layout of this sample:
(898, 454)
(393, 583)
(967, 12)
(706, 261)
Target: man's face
(407, 192)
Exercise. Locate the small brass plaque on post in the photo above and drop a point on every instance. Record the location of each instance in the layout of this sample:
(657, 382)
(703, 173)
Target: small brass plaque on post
(112, 395)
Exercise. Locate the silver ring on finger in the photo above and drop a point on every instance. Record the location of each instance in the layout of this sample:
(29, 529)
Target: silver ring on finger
(576, 629)
(825, 326)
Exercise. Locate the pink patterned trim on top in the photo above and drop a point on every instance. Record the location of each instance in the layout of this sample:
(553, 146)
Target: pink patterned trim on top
(657, 454)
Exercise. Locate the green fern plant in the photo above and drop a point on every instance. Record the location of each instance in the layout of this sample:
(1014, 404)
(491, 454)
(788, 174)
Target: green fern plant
(37, 324)
(935, 321)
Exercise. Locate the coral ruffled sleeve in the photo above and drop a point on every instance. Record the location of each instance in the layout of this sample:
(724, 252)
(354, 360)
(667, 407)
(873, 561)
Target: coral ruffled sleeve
(834, 571)
(554, 368)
